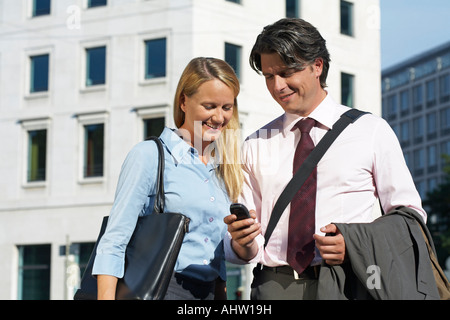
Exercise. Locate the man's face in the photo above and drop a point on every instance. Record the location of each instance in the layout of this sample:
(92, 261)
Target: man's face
(297, 92)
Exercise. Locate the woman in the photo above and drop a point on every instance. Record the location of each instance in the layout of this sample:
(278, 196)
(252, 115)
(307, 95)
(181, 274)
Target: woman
(201, 178)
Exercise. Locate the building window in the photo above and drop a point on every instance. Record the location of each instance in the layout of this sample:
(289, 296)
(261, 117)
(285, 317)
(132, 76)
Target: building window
(347, 18)
(347, 90)
(404, 102)
(419, 161)
(96, 3)
(444, 88)
(431, 93)
(93, 150)
(418, 130)
(37, 155)
(432, 158)
(292, 9)
(233, 55)
(431, 125)
(445, 121)
(40, 8)
(34, 272)
(404, 133)
(153, 127)
(95, 66)
(39, 71)
(417, 97)
(155, 58)
(392, 107)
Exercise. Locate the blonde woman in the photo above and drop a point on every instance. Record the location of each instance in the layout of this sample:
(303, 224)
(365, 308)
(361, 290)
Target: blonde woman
(202, 177)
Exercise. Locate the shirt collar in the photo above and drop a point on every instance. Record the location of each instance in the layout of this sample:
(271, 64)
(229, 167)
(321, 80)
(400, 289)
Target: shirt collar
(180, 149)
(324, 114)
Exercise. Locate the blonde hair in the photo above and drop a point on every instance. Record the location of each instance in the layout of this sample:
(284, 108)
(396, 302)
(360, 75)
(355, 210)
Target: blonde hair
(198, 71)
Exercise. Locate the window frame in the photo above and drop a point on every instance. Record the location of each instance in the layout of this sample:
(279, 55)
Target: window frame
(84, 47)
(35, 125)
(350, 20)
(27, 74)
(146, 59)
(237, 68)
(142, 39)
(85, 119)
(32, 11)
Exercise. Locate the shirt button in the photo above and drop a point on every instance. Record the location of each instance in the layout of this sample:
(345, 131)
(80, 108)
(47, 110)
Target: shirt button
(212, 199)
(206, 181)
(206, 239)
(211, 219)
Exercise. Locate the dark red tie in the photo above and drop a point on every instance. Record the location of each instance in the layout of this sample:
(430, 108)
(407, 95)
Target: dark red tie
(301, 244)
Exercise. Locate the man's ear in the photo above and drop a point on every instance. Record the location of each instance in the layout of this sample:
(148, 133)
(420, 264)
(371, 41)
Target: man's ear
(318, 67)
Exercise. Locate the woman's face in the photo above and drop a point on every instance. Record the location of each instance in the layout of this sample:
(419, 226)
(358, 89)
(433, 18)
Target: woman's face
(207, 111)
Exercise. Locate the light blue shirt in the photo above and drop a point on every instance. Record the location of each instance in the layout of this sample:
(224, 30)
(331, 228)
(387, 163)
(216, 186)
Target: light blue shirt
(191, 188)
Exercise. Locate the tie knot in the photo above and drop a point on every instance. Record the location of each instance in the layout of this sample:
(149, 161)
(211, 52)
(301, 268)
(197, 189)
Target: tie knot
(305, 125)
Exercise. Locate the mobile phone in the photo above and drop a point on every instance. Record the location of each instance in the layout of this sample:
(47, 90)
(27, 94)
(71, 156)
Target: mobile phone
(240, 211)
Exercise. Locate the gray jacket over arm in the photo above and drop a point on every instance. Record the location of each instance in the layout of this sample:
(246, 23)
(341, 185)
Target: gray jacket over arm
(387, 260)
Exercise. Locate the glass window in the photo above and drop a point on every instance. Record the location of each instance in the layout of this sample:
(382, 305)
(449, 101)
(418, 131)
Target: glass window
(431, 93)
(39, 73)
(432, 156)
(292, 9)
(404, 102)
(404, 132)
(444, 88)
(95, 66)
(37, 155)
(431, 123)
(419, 161)
(392, 106)
(347, 89)
(233, 55)
(417, 96)
(93, 150)
(97, 3)
(418, 128)
(41, 7)
(153, 127)
(34, 272)
(155, 58)
(347, 18)
(445, 121)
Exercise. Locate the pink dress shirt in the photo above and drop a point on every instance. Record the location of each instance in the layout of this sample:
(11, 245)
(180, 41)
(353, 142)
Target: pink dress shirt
(364, 163)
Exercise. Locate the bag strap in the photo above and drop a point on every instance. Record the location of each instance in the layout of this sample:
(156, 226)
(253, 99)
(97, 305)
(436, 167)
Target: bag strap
(160, 197)
(308, 165)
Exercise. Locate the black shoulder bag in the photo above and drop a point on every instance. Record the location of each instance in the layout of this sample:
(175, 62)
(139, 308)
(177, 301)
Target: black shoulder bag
(151, 252)
(306, 168)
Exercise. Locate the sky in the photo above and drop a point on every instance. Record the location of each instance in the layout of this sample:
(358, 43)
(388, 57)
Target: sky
(410, 27)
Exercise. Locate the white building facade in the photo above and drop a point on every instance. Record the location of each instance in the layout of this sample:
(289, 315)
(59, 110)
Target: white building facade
(82, 81)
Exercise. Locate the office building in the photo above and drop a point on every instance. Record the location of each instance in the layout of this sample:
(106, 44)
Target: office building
(416, 103)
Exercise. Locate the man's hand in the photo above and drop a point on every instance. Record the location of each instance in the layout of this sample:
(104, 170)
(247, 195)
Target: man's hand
(331, 248)
(243, 234)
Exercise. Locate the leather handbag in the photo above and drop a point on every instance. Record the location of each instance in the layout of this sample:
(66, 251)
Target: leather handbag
(151, 253)
(306, 168)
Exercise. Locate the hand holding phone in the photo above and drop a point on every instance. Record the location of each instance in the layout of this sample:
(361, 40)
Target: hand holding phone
(240, 211)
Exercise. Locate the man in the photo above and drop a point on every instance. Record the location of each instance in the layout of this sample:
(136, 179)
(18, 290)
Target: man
(364, 165)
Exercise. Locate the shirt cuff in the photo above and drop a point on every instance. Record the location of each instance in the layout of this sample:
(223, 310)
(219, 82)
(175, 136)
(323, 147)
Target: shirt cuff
(108, 264)
(232, 257)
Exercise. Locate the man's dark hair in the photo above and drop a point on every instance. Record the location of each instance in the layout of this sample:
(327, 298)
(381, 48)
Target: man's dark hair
(297, 42)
